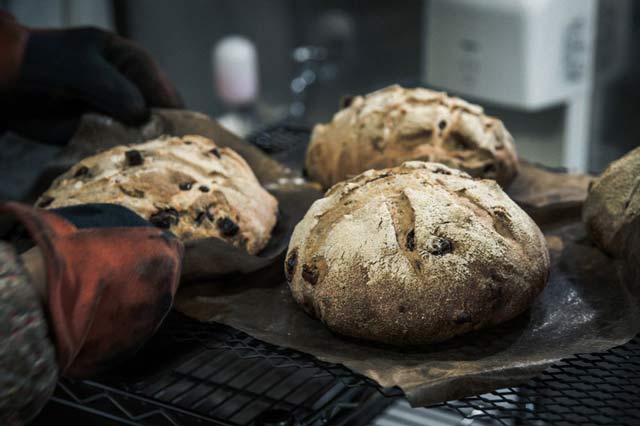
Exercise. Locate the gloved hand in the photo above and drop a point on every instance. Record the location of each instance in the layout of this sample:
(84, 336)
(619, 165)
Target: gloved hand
(48, 78)
(108, 285)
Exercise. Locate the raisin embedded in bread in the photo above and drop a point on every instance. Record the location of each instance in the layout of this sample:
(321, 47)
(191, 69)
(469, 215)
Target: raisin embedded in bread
(393, 125)
(415, 254)
(188, 185)
(613, 204)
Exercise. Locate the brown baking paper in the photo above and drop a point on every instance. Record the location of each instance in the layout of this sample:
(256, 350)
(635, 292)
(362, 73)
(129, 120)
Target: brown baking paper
(210, 257)
(587, 306)
(590, 303)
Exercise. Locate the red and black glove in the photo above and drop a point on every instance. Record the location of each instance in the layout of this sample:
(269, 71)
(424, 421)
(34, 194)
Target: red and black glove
(48, 78)
(109, 284)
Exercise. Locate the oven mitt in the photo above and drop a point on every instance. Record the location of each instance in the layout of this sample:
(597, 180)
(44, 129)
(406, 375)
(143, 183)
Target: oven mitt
(52, 76)
(108, 288)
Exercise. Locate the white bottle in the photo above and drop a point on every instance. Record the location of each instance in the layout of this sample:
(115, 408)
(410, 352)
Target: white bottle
(236, 82)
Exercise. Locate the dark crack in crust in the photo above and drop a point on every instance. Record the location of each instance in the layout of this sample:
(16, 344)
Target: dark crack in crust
(82, 171)
(131, 192)
(310, 274)
(411, 240)
(290, 264)
(45, 201)
(165, 218)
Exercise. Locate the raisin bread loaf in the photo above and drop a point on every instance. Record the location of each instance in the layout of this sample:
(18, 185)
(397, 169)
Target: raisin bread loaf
(393, 125)
(613, 203)
(415, 254)
(188, 185)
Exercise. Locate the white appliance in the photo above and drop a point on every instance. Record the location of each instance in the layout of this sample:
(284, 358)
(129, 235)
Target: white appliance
(519, 55)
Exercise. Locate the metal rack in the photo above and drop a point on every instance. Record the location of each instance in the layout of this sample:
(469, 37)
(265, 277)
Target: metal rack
(587, 389)
(192, 373)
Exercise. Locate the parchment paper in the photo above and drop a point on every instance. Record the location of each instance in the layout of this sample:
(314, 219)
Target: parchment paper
(589, 305)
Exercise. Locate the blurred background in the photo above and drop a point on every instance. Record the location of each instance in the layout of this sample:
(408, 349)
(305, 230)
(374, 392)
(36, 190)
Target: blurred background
(562, 74)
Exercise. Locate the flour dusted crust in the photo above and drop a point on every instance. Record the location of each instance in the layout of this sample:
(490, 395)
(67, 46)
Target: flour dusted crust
(415, 254)
(393, 125)
(613, 204)
(188, 185)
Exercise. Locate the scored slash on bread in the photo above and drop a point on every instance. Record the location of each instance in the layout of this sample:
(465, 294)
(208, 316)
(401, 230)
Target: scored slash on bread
(415, 254)
(188, 185)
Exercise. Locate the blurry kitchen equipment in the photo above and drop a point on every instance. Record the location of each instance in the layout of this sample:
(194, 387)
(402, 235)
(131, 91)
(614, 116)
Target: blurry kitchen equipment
(235, 74)
(531, 62)
(331, 38)
(236, 81)
(310, 62)
(235, 68)
(614, 106)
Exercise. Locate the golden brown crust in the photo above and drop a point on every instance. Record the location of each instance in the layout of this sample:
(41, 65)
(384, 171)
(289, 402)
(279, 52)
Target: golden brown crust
(393, 125)
(189, 185)
(415, 254)
(613, 203)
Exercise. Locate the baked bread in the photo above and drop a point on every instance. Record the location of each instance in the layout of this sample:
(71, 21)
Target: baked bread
(188, 185)
(613, 203)
(393, 125)
(415, 254)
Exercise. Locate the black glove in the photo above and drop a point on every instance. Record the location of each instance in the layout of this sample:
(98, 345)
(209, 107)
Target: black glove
(64, 73)
(100, 215)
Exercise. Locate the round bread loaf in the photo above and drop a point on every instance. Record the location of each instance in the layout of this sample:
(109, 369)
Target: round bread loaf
(415, 254)
(393, 125)
(613, 203)
(188, 185)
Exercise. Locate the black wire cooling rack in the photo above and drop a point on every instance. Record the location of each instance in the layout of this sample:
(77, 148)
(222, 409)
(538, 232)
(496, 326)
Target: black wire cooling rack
(588, 389)
(192, 373)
